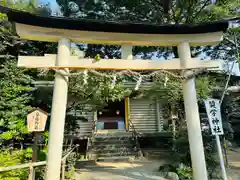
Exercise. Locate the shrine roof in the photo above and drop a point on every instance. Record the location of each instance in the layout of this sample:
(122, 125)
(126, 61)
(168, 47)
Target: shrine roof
(111, 26)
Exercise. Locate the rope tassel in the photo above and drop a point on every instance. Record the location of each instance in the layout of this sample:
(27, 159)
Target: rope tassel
(138, 83)
(114, 81)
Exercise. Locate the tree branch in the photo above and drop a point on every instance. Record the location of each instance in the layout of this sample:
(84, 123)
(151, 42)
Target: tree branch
(230, 41)
(161, 14)
(178, 19)
(200, 10)
(70, 106)
(174, 15)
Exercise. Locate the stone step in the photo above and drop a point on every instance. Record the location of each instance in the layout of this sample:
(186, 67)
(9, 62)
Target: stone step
(117, 154)
(116, 158)
(117, 131)
(83, 163)
(113, 135)
(96, 156)
(156, 153)
(110, 146)
(106, 151)
(158, 150)
(112, 141)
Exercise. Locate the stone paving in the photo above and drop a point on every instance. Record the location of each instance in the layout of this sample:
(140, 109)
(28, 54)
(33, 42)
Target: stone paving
(141, 170)
(234, 164)
(234, 158)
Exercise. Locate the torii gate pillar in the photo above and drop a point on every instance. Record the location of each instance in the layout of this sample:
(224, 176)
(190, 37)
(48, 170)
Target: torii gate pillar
(192, 117)
(58, 114)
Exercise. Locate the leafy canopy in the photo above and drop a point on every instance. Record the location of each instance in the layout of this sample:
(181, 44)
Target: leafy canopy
(16, 95)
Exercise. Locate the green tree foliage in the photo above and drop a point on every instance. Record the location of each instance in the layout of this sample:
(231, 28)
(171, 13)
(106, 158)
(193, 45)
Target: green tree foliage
(97, 92)
(171, 93)
(181, 11)
(16, 90)
(16, 94)
(10, 157)
(15, 101)
(227, 49)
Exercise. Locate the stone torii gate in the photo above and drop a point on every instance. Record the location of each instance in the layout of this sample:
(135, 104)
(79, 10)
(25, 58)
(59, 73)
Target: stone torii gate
(64, 31)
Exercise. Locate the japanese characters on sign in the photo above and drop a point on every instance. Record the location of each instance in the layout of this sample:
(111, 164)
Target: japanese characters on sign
(214, 116)
(36, 120)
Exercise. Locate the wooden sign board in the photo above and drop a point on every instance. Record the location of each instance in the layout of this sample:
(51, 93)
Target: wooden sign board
(36, 120)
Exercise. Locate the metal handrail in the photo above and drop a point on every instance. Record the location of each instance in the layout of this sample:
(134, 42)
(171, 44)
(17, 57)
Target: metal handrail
(69, 152)
(41, 163)
(93, 126)
(64, 161)
(135, 134)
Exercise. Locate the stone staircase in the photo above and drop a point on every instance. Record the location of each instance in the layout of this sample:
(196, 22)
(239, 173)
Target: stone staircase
(112, 145)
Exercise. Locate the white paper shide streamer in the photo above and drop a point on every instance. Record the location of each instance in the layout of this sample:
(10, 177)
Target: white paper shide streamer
(85, 76)
(114, 82)
(166, 81)
(138, 83)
